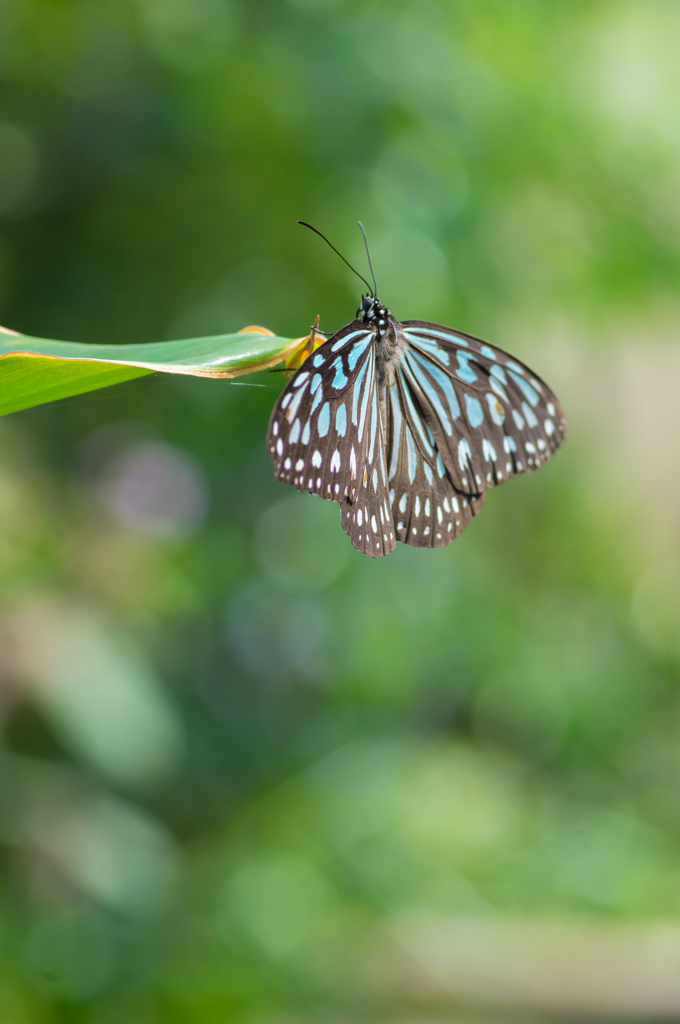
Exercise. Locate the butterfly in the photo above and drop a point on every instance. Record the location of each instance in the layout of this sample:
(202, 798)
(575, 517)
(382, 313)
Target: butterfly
(407, 424)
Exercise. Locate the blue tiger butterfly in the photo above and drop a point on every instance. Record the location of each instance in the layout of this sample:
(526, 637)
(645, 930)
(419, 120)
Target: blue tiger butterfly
(406, 424)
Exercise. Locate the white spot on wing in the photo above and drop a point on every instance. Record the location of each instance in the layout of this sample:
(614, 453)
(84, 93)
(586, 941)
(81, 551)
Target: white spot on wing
(489, 451)
(464, 453)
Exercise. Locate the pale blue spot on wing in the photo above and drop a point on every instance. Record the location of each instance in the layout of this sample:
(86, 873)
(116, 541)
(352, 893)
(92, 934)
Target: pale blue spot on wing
(316, 400)
(441, 468)
(429, 346)
(432, 394)
(374, 425)
(412, 455)
(488, 352)
(346, 339)
(306, 433)
(465, 371)
(316, 381)
(529, 415)
(442, 379)
(429, 475)
(475, 413)
(446, 335)
(295, 404)
(415, 416)
(397, 420)
(525, 388)
(341, 420)
(357, 352)
(324, 421)
(513, 366)
(318, 360)
(499, 373)
(340, 379)
(368, 387)
(357, 392)
(301, 378)
(496, 410)
(294, 435)
(499, 389)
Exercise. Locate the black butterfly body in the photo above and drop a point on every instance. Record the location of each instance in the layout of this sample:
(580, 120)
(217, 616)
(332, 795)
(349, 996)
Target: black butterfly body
(406, 424)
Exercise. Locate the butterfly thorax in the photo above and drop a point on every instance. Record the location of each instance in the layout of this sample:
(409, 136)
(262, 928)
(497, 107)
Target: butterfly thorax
(389, 344)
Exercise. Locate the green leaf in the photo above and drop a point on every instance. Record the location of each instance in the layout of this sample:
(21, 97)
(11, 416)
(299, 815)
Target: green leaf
(35, 370)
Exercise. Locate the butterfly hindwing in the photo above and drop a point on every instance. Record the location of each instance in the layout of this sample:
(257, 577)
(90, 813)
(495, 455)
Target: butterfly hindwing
(367, 517)
(490, 415)
(427, 509)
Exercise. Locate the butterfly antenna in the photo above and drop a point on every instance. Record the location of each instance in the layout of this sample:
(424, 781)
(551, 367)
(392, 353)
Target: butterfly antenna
(375, 286)
(306, 225)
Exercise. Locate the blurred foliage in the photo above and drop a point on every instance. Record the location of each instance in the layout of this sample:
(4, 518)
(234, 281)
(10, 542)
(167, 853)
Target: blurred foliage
(237, 755)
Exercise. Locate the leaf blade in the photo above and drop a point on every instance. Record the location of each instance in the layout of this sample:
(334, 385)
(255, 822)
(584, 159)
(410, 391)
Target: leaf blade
(38, 370)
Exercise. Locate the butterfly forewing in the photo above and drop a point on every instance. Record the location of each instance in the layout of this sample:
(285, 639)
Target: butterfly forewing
(491, 417)
(326, 436)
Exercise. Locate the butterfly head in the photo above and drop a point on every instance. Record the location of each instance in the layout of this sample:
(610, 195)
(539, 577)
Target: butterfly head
(372, 311)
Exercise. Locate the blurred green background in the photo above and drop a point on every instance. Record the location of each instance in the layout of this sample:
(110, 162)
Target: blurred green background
(247, 774)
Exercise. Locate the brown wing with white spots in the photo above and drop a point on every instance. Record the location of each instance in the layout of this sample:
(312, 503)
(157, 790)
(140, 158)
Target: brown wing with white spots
(427, 509)
(490, 416)
(325, 436)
